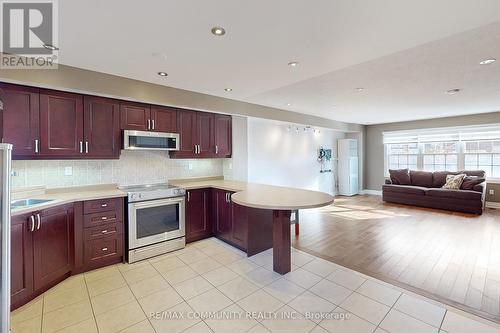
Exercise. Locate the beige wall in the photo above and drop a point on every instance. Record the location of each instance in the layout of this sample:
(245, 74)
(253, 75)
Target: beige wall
(84, 81)
(374, 148)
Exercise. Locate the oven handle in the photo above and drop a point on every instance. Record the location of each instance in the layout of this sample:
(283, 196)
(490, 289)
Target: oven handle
(159, 202)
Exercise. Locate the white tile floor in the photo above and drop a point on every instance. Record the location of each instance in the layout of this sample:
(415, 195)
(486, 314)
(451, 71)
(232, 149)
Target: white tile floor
(212, 287)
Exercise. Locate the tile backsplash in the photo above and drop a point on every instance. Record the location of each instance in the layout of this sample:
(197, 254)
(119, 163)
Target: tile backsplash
(133, 167)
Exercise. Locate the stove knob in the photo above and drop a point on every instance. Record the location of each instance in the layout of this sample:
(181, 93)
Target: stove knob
(133, 196)
(141, 196)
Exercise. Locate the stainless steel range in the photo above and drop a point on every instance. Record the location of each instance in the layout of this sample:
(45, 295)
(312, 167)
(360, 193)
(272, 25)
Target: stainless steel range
(156, 221)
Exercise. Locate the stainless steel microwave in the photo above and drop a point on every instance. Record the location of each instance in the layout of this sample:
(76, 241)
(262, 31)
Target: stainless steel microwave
(143, 140)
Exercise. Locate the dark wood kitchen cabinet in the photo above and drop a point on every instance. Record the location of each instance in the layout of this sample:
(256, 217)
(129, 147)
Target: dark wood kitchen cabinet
(198, 214)
(20, 114)
(222, 214)
(223, 135)
(101, 127)
(61, 124)
(197, 135)
(135, 116)
(53, 247)
(21, 260)
(143, 117)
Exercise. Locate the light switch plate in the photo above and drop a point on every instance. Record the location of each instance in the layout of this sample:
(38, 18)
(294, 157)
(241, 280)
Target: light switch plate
(68, 171)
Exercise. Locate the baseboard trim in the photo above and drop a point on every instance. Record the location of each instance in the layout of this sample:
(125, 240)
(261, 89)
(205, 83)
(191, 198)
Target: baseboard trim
(491, 204)
(371, 192)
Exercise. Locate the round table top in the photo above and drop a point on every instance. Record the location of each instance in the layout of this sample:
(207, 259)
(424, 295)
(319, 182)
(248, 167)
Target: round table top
(280, 198)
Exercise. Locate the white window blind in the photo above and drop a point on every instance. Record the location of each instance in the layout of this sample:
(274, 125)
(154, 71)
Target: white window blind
(450, 149)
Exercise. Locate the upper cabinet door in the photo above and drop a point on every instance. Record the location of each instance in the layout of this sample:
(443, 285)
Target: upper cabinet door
(223, 135)
(20, 119)
(61, 124)
(186, 125)
(205, 126)
(163, 119)
(135, 116)
(101, 127)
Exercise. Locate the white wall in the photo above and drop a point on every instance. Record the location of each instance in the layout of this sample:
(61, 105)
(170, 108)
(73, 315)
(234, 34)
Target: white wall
(236, 167)
(277, 156)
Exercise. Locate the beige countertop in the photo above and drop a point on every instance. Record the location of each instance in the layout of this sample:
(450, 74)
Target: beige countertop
(262, 196)
(61, 196)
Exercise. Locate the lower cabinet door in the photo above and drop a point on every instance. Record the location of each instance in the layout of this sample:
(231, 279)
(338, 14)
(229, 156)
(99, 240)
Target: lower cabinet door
(21, 260)
(53, 249)
(222, 215)
(102, 249)
(198, 220)
(239, 220)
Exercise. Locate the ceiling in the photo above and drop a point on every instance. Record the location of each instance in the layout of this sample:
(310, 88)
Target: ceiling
(405, 54)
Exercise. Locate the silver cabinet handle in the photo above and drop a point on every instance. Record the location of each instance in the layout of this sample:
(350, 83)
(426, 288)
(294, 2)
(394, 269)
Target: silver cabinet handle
(153, 123)
(86, 147)
(32, 228)
(199, 149)
(216, 149)
(38, 222)
(104, 231)
(37, 149)
(104, 248)
(149, 124)
(196, 149)
(104, 205)
(104, 217)
(81, 147)
(189, 196)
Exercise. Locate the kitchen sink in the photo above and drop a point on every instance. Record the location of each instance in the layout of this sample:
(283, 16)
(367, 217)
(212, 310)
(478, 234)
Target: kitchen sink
(28, 202)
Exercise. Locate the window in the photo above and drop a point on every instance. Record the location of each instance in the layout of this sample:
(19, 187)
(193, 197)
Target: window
(440, 156)
(465, 148)
(403, 155)
(483, 155)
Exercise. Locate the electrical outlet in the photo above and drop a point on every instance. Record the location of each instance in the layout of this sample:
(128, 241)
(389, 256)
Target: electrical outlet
(492, 192)
(190, 165)
(13, 173)
(68, 171)
(230, 166)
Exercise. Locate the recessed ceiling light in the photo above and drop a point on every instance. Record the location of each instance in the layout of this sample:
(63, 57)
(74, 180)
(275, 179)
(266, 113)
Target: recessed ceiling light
(50, 47)
(453, 91)
(162, 74)
(288, 104)
(360, 89)
(293, 64)
(218, 31)
(228, 89)
(487, 61)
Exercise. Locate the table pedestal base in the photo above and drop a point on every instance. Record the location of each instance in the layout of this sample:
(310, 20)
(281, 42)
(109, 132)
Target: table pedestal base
(282, 260)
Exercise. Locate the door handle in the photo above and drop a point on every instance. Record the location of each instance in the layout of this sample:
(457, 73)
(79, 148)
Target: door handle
(196, 149)
(86, 147)
(153, 124)
(149, 124)
(189, 195)
(32, 218)
(216, 149)
(81, 147)
(38, 222)
(199, 149)
(104, 248)
(37, 149)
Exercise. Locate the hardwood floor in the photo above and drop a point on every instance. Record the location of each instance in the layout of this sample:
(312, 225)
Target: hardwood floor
(451, 257)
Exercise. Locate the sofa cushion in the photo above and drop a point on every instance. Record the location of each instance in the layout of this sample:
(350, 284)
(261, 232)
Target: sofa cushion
(439, 177)
(406, 189)
(471, 181)
(453, 194)
(421, 178)
(474, 173)
(400, 176)
(453, 182)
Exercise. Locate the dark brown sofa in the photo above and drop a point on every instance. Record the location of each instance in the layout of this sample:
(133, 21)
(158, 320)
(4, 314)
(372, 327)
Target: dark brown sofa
(423, 189)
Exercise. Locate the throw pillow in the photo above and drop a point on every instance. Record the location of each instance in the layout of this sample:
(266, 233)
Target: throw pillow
(400, 176)
(471, 181)
(453, 182)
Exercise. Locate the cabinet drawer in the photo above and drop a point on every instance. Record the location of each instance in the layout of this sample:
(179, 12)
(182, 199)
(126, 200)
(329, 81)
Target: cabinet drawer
(98, 219)
(102, 205)
(107, 230)
(103, 248)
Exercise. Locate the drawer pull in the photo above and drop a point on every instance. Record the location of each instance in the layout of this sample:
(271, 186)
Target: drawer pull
(104, 248)
(104, 205)
(104, 231)
(104, 218)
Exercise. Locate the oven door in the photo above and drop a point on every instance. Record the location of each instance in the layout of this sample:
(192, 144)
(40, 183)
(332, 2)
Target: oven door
(155, 221)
